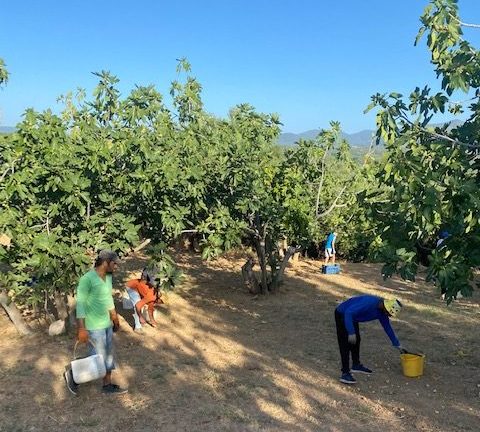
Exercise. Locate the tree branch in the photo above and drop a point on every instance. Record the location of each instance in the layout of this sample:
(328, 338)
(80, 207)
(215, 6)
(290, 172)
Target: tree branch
(9, 168)
(37, 226)
(334, 204)
(464, 24)
(437, 135)
(320, 186)
(252, 232)
(451, 140)
(142, 245)
(14, 314)
(4, 173)
(370, 150)
(469, 25)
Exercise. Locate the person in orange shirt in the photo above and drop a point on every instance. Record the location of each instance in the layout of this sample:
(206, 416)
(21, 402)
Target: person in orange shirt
(142, 292)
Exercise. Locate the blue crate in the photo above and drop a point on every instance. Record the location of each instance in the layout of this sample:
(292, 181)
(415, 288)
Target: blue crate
(331, 269)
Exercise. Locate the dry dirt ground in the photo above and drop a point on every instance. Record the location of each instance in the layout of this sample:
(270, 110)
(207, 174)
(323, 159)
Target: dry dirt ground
(225, 361)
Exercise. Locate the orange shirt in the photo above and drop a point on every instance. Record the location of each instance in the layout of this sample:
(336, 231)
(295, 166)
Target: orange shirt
(145, 291)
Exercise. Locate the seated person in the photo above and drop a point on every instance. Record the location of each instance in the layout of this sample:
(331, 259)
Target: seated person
(142, 292)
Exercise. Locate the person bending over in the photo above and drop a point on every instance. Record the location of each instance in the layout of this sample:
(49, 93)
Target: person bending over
(347, 316)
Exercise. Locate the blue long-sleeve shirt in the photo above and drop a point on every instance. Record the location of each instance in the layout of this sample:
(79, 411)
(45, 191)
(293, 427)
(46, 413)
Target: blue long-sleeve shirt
(365, 308)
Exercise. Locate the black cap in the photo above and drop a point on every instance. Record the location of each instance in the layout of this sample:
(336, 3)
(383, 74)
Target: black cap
(108, 255)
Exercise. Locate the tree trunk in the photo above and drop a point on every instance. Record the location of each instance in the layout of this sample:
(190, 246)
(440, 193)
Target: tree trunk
(14, 314)
(279, 275)
(249, 277)
(260, 247)
(142, 245)
(282, 247)
(72, 313)
(60, 306)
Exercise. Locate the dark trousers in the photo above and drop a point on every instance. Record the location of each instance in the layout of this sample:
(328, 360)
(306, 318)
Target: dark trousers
(345, 347)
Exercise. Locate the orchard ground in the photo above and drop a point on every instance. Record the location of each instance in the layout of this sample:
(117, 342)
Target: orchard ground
(223, 360)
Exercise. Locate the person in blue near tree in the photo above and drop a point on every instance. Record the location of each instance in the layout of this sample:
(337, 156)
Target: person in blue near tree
(441, 238)
(330, 247)
(347, 316)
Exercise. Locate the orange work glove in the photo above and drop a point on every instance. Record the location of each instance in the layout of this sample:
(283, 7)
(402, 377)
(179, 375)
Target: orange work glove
(82, 335)
(116, 324)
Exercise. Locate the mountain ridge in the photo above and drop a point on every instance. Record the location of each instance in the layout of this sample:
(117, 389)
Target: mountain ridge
(362, 138)
(7, 129)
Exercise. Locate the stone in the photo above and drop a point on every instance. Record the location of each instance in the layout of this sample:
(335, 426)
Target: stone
(56, 328)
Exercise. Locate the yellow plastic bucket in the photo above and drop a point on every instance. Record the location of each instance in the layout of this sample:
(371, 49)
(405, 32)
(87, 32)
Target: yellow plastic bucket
(412, 364)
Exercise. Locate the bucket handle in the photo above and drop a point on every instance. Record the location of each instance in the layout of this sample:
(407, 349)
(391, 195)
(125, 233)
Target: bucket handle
(412, 353)
(76, 346)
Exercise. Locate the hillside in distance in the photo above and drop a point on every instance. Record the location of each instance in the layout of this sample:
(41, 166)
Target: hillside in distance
(357, 139)
(7, 129)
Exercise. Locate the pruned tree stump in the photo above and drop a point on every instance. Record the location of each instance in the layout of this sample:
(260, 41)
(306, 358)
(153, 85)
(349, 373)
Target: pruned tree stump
(14, 314)
(249, 277)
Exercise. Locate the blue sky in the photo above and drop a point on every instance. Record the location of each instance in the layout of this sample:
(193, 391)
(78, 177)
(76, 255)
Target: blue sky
(309, 61)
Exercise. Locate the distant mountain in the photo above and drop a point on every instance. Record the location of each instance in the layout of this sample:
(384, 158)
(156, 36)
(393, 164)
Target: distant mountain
(7, 129)
(291, 138)
(358, 139)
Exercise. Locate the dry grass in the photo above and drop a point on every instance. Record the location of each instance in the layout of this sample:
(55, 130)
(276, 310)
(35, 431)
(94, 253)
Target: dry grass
(224, 361)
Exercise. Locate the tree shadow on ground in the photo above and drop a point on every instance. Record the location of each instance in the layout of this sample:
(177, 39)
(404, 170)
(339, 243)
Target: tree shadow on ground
(223, 360)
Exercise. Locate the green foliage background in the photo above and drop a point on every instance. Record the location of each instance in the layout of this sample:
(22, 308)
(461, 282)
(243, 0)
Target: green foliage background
(430, 179)
(110, 170)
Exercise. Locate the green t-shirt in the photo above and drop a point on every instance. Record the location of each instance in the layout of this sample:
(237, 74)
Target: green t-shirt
(94, 300)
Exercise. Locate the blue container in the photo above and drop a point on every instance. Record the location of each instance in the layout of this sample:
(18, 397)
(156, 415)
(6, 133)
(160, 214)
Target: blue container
(331, 269)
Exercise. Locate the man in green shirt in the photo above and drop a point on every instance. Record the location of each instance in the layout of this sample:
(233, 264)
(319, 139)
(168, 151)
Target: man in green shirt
(97, 318)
